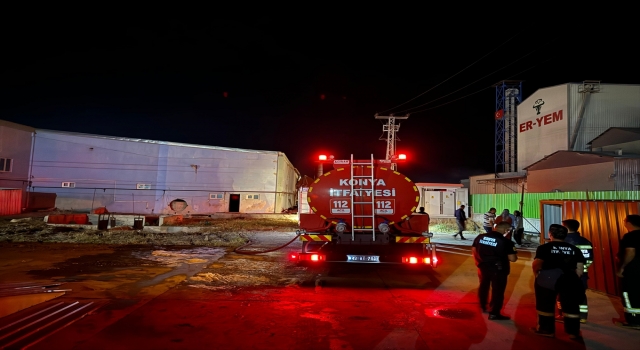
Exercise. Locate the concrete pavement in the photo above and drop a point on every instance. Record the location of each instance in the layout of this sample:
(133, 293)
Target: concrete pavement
(599, 333)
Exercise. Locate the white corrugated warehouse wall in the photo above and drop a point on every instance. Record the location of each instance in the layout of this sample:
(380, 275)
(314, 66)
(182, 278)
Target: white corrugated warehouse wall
(143, 176)
(614, 105)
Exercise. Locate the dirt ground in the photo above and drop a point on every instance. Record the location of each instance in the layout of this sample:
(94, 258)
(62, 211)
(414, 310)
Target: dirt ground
(117, 261)
(108, 261)
(131, 263)
(31, 228)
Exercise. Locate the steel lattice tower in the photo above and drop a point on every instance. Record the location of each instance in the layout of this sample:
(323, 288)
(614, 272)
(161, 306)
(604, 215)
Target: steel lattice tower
(391, 129)
(508, 97)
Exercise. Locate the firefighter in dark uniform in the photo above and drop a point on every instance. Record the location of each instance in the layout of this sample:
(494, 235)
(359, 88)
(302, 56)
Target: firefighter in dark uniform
(586, 247)
(629, 272)
(558, 266)
(492, 253)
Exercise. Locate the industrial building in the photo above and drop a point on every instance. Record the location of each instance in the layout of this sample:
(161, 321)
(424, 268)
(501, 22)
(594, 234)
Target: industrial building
(575, 140)
(15, 147)
(566, 171)
(568, 117)
(126, 175)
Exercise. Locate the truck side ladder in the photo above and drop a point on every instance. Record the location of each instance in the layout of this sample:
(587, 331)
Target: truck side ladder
(363, 220)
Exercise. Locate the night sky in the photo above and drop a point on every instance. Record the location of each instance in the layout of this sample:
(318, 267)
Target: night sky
(303, 86)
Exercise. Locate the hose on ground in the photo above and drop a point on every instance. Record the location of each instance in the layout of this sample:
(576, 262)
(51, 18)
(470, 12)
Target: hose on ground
(239, 249)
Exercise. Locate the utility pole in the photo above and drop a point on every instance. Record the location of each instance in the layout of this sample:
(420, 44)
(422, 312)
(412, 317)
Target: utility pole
(391, 129)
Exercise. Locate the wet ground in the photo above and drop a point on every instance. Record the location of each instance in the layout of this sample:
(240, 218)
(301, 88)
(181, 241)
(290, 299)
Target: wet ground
(189, 297)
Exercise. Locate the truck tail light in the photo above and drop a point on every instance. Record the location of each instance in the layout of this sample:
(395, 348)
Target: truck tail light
(311, 257)
(416, 260)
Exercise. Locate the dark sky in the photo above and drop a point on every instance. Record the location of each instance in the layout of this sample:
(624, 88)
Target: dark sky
(293, 84)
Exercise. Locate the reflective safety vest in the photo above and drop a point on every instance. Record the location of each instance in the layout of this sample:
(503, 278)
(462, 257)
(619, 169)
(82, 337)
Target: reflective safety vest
(584, 245)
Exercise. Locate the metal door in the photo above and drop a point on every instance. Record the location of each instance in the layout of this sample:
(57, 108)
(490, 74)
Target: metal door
(552, 214)
(432, 202)
(448, 203)
(462, 197)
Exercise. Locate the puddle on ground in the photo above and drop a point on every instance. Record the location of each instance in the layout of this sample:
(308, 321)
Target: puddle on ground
(184, 256)
(230, 279)
(132, 264)
(95, 264)
(186, 262)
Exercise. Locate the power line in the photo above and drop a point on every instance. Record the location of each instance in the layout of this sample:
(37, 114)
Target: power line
(477, 91)
(449, 78)
(475, 81)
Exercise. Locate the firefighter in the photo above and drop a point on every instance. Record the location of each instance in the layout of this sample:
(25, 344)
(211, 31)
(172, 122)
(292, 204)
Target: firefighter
(586, 247)
(629, 272)
(558, 266)
(492, 253)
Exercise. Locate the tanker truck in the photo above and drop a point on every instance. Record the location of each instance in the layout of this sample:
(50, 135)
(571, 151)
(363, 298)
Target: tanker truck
(362, 211)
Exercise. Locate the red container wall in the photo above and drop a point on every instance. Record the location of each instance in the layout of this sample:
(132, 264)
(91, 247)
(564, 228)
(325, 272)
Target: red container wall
(602, 222)
(79, 219)
(41, 200)
(10, 201)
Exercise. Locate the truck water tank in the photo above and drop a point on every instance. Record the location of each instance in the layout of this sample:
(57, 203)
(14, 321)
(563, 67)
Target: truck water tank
(337, 195)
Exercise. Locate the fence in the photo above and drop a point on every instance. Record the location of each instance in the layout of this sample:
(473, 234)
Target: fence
(531, 209)
(602, 222)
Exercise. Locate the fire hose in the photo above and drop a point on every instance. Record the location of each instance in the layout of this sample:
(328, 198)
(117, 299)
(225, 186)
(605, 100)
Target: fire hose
(254, 252)
(298, 233)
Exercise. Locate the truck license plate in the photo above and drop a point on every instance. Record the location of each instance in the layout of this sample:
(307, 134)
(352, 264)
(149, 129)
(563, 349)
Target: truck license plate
(363, 258)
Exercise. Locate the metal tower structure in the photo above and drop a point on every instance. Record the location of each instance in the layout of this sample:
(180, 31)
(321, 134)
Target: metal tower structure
(508, 97)
(391, 129)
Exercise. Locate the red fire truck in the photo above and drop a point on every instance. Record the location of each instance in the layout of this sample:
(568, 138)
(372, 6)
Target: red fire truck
(362, 211)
